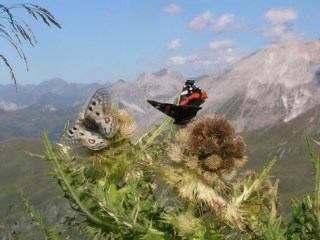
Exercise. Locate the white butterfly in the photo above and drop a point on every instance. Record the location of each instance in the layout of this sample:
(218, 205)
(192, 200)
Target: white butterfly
(95, 126)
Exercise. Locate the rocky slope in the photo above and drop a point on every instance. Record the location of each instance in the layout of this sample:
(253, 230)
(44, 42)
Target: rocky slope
(280, 82)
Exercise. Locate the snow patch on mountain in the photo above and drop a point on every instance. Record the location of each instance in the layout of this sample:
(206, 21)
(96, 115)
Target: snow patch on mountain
(10, 106)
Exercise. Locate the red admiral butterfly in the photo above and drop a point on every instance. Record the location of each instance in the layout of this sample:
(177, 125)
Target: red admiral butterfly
(190, 99)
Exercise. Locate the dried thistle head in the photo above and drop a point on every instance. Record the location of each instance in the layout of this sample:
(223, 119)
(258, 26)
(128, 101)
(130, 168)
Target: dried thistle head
(211, 145)
(192, 162)
(174, 153)
(210, 176)
(212, 162)
(126, 123)
(250, 175)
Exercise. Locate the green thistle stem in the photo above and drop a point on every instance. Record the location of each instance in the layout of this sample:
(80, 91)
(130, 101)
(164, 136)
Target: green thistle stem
(247, 192)
(273, 214)
(52, 155)
(316, 162)
(155, 133)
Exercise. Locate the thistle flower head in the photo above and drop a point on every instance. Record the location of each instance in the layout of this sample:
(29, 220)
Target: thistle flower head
(211, 145)
(126, 123)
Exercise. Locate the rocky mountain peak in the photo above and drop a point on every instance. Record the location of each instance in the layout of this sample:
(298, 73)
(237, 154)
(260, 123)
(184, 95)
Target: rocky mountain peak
(277, 83)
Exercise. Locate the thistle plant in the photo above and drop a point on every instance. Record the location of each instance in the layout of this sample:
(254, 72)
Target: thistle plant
(169, 184)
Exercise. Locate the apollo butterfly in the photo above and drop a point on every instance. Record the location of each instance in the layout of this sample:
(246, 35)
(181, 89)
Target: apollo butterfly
(95, 126)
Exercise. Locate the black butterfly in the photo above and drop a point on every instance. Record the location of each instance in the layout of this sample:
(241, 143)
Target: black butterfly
(189, 104)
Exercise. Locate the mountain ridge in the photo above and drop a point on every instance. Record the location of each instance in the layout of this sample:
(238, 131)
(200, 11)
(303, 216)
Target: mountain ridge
(276, 83)
(279, 82)
(54, 91)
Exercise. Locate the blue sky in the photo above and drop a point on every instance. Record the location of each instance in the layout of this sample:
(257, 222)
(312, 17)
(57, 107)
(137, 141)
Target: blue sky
(103, 41)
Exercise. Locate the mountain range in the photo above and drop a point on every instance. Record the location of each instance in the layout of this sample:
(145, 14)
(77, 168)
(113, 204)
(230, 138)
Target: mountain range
(277, 83)
(55, 91)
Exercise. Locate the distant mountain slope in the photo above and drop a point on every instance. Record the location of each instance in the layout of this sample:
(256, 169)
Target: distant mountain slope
(280, 82)
(55, 91)
(286, 140)
(162, 86)
(34, 120)
(21, 172)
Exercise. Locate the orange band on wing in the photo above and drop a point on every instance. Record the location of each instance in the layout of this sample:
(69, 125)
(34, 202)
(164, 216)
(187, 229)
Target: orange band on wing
(192, 96)
(204, 95)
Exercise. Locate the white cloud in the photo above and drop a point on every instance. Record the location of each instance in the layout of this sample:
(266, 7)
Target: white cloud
(222, 44)
(206, 20)
(201, 21)
(279, 16)
(175, 44)
(206, 61)
(173, 9)
(280, 25)
(221, 25)
(182, 60)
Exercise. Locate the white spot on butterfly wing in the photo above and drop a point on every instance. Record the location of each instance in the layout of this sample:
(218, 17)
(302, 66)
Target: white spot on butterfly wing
(185, 92)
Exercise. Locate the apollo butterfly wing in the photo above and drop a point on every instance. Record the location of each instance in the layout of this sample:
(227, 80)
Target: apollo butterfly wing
(78, 136)
(95, 126)
(99, 109)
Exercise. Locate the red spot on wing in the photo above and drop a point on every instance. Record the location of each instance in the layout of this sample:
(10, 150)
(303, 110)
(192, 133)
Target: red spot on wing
(91, 141)
(167, 110)
(107, 120)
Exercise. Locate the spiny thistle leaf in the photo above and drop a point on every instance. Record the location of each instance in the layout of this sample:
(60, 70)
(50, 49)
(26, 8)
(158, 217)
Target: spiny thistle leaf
(67, 183)
(51, 234)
